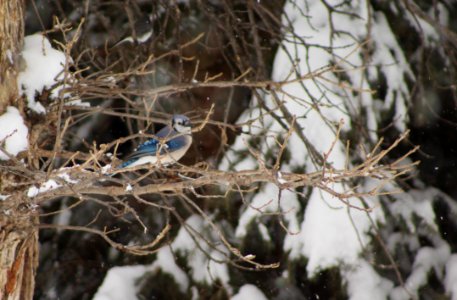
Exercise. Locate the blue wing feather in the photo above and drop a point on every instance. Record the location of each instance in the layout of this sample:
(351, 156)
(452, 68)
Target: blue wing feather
(175, 144)
(150, 147)
(147, 148)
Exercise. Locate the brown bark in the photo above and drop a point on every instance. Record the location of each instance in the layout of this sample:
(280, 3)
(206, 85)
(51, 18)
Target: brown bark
(11, 37)
(18, 234)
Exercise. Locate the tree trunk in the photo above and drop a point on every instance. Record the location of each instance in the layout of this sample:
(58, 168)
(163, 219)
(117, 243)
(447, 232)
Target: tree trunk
(11, 37)
(18, 219)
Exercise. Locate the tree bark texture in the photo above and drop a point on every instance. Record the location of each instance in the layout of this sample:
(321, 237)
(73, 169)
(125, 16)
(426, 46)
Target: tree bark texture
(18, 233)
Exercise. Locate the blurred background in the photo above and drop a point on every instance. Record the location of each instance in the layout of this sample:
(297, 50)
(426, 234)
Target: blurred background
(127, 48)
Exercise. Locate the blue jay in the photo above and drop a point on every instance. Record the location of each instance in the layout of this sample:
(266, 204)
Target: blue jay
(171, 144)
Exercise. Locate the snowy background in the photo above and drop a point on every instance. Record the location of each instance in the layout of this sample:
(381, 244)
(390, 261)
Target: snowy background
(380, 69)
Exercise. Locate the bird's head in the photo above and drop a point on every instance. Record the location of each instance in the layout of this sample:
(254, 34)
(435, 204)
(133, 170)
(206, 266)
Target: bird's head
(181, 124)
